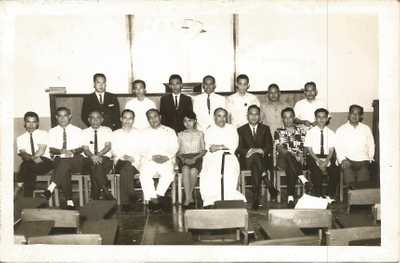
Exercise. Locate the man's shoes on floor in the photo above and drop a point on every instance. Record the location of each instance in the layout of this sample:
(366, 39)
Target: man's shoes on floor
(70, 207)
(256, 205)
(154, 207)
(125, 208)
(47, 194)
(208, 207)
(105, 195)
(291, 203)
(274, 193)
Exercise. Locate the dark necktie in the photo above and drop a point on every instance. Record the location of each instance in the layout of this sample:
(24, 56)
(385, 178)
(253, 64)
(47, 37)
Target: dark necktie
(95, 142)
(208, 104)
(176, 102)
(101, 99)
(322, 143)
(32, 145)
(64, 146)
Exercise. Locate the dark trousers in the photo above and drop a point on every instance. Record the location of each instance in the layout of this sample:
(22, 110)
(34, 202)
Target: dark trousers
(292, 168)
(64, 167)
(126, 172)
(29, 170)
(256, 164)
(356, 172)
(317, 177)
(98, 175)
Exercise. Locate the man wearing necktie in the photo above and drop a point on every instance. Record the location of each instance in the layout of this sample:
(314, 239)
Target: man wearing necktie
(32, 148)
(96, 144)
(173, 106)
(206, 103)
(105, 102)
(65, 143)
(320, 143)
(255, 147)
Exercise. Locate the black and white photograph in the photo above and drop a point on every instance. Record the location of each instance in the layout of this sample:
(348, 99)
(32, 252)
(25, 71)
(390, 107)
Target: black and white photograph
(199, 130)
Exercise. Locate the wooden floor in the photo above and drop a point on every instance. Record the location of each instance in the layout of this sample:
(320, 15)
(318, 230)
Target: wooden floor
(140, 227)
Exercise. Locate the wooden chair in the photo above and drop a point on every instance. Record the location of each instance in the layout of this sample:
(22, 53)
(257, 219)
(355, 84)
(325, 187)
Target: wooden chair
(302, 218)
(70, 239)
(61, 218)
(46, 178)
(369, 196)
(342, 237)
(292, 241)
(213, 219)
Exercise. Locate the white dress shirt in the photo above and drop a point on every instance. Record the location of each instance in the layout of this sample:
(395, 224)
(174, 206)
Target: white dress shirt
(74, 137)
(140, 107)
(237, 106)
(160, 141)
(305, 109)
(355, 143)
(313, 139)
(98, 97)
(103, 136)
(127, 143)
(40, 137)
(205, 119)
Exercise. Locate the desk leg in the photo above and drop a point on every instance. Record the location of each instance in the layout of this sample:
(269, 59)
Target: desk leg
(80, 184)
(180, 188)
(173, 190)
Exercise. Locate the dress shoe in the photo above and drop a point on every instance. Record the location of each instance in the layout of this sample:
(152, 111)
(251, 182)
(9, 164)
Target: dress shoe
(291, 204)
(255, 205)
(154, 207)
(105, 195)
(208, 207)
(125, 208)
(70, 207)
(47, 194)
(274, 193)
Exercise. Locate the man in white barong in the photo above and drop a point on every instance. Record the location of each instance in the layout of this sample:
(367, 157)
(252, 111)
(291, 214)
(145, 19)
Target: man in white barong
(219, 138)
(158, 157)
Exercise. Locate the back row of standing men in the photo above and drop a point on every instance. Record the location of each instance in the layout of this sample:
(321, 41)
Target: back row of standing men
(161, 146)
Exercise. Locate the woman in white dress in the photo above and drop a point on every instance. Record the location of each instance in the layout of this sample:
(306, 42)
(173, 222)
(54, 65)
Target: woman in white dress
(219, 138)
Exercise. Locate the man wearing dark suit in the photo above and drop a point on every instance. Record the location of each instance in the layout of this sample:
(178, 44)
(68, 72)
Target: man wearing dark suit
(173, 106)
(255, 146)
(106, 103)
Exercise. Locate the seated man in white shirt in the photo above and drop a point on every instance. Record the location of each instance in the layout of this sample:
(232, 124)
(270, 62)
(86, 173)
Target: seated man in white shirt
(126, 144)
(320, 143)
(65, 142)
(140, 105)
(238, 103)
(32, 148)
(161, 145)
(96, 144)
(355, 147)
(305, 108)
(206, 103)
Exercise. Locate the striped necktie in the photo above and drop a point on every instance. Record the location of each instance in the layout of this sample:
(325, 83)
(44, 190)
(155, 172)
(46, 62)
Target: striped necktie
(322, 143)
(95, 142)
(32, 144)
(64, 139)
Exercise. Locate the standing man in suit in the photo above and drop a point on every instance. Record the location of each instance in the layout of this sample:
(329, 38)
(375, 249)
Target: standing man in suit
(175, 105)
(105, 102)
(255, 146)
(205, 104)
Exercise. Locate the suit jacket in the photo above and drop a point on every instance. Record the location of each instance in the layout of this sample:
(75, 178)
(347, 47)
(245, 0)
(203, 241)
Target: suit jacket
(172, 117)
(109, 109)
(263, 139)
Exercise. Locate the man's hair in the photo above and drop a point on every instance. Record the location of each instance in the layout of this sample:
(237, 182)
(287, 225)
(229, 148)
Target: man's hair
(190, 115)
(139, 81)
(31, 114)
(209, 77)
(219, 109)
(127, 110)
(243, 76)
(152, 110)
(273, 85)
(99, 75)
(321, 110)
(355, 106)
(310, 83)
(253, 106)
(95, 110)
(287, 109)
(174, 76)
(63, 109)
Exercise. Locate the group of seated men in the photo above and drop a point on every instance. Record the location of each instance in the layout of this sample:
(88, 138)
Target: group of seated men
(196, 133)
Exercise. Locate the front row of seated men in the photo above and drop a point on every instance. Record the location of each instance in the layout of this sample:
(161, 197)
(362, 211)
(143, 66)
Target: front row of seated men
(152, 151)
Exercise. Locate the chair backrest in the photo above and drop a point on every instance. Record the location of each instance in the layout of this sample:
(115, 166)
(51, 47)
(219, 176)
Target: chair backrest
(293, 241)
(61, 218)
(216, 219)
(71, 239)
(342, 237)
(303, 218)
